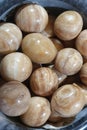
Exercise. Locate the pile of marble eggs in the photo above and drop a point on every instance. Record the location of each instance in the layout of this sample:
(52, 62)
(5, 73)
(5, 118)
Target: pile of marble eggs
(43, 65)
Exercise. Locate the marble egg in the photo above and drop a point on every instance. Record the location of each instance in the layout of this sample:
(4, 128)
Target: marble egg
(38, 112)
(31, 18)
(16, 66)
(68, 61)
(44, 81)
(10, 38)
(68, 25)
(39, 48)
(14, 98)
(68, 100)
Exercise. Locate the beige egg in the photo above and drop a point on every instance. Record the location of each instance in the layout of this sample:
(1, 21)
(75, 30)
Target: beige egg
(68, 25)
(81, 43)
(10, 38)
(68, 61)
(38, 112)
(39, 48)
(31, 18)
(16, 66)
(14, 98)
(44, 81)
(68, 100)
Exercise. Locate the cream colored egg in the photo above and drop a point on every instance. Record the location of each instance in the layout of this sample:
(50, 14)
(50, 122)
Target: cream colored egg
(44, 81)
(14, 98)
(16, 66)
(68, 25)
(31, 18)
(10, 38)
(68, 100)
(38, 112)
(68, 61)
(39, 48)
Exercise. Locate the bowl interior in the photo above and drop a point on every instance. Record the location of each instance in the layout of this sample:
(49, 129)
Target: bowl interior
(55, 8)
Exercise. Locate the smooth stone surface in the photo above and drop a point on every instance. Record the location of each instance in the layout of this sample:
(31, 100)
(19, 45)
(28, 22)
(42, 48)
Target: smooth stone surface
(16, 66)
(31, 18)
(14, 98)
(68, 100)
(68, 25)
(39, 48)
(44, 81)
(68, 61)
(38, 112)
(10, 38)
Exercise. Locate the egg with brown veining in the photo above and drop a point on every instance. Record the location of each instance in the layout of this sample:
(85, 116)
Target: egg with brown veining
(16, 66)
(68, 100)
(44, 81)
(38, 112)
(68, 25)
(31, 18)
(14, 98)
(68, 61)
(39, 48)
(10, 38)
